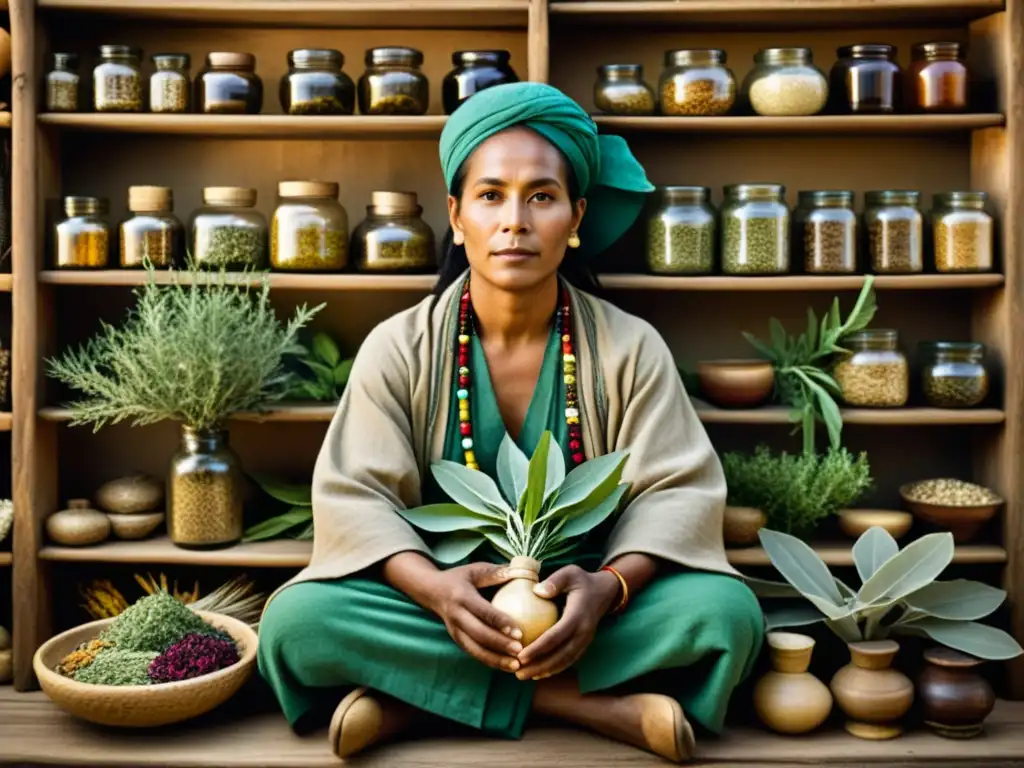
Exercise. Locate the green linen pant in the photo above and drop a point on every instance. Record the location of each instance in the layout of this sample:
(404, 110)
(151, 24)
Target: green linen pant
(694, 636)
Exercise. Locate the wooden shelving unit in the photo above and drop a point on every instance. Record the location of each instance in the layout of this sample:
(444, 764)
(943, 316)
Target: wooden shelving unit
(5, 559)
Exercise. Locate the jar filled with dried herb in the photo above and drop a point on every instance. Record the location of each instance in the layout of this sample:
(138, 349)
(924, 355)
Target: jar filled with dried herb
(117, 79)
(696, 82)
(153, 233)
(228, 231)
(171, 84)
(620, 90)
(315, 84)
(894, 226)
(309, 231)
(785, 83)
(953, 373)
(755, 230)
(474, 71)
(392, 83)
(229, 85)
(939, 77)
(62, 83)
(681, 233)
(865, 80)
(962, 232)
(393, 237)
(875, 373)
(825, 230)
(205, 491)
(83, 237)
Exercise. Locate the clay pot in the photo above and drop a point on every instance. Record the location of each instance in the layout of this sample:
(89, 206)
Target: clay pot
(963, 522)
(137, 526)
(789, 699)
(130, 495)
(78, 525)
(854, 522)
(873, 695)
(736, 383)
(741, 524)
(955, 698)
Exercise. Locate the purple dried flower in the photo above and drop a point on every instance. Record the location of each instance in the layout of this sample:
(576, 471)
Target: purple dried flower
(194, 655)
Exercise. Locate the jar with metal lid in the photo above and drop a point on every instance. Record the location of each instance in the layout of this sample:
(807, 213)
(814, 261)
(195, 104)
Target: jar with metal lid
(309, 230)
(825, 230)
(681, 232)
(170, 85)
(953, 373)
(83, 237)
(865, 80)
(620, 90)
(962, 232)
(153, 233)
(755, 230)
(875, 373)
(474, 71)
(894, 227)
(785, 83)
(229, 85)
(117, 79)
(228, 231)
(315, 84)
(939, 77)
(393, 237)
(696, 83)
(62, 83)
(393, 84)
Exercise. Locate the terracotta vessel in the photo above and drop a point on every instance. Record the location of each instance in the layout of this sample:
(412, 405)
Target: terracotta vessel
(736, 383)
(741, 524)
(955, 698)
(853, 522)
(873, 695)
(789, 699)
(962, 522)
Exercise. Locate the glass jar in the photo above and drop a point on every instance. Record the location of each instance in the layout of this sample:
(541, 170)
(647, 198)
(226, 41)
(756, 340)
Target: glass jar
(785, 83)
(962, 232)
(953, 373)
(229, 85)
(315, 84)
(205, 491)
(681, 233)
(393, 84)
(170, 85)
(696, 83)
(474, 71)
(865, 80)
(755, 230)
(620, 90)
(825, 227)
(83, 238)
(309, 231)
(117, 79)
(939, 77)
(154, 232)
(228, 231)
(875, 373)
(894, 225)
(62, 83)
(393, 237)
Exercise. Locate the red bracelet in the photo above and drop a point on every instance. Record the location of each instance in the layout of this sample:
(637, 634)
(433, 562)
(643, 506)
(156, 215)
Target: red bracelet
(624, 600)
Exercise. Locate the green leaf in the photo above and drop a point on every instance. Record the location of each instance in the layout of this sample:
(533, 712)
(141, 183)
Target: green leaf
(760, 346)
(275, 526)
(471, 489)
(513, 470)
(588, 484)
(812, 329)
(801, 567)
(457, 546)
(500, 542)
(959, 600)
(536, 485)
(325, 348)
(797, 616)
(306, 534)
(917, 565)
(846, 628)
(778, 334)
(873, 549)
(979, 640)
(292, 494)
(555, 475)
(324, 373)
(591, 518)
(445, 518)
(342, 372)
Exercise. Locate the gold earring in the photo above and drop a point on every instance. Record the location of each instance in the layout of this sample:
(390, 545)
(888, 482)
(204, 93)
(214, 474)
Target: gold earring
(574, 240)
(458, 238)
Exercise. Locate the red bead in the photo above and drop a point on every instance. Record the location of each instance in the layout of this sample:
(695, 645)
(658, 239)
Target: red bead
(463, 381)
(463, 359)
(578, 458)
(574, 445)
(567, 349)
(465, 429)
(575, 433)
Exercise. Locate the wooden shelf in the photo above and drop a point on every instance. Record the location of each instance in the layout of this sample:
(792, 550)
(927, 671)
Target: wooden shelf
(6, 282)
(841, 554)
(5, 117)
(6, 559)
(831, 124)
(279, 281)
(6, 421)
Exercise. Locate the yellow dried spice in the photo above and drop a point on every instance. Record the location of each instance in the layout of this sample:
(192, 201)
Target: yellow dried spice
(82, 656)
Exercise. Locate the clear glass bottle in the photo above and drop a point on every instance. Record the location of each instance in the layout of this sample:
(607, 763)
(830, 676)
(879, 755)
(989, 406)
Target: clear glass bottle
(865, 80)
(309, 231)
(393, 84)
(755, 230)
(315, 84)
(785, 83)
(170, 86)
(117, 79)
(939, 77)
(153, 233)
(62, 83)
(205, 491)
(825, 230)
(228, 231)
(962, 232)
(894, 226)
(953, 373)
(696, 82)
(474, 71)
(229, 85)
(681, 233)
(83, 237)
(393, 237)
(875, 373)
(620, 90)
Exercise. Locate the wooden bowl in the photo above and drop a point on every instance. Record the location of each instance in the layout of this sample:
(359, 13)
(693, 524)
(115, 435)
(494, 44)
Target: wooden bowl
(741, 524)
(736, 383)
(854, 522)
(143, 706)
(962, 521)
(135, 526)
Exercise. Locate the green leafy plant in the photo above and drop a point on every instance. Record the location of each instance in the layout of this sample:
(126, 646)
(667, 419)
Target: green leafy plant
(899, 594)
(324, 372)
(296, 522)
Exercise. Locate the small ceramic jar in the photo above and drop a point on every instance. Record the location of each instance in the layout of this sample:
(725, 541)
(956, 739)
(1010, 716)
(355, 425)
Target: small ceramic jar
(955, 698)
(789, 699)
(873, 696)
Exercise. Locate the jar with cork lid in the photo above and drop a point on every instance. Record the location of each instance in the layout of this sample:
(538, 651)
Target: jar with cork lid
(117, 79)
(962, 232)
(62, 83)
(315, 85)
(170, 85)
(939, 77)
(153, 233)
(696, 82)
(229, 85)
(875, 372)
(228, 231)
(825, 231)
(309, 230)
(393, 83)
(894, 229)
(83, 237)
(393, 237)
(620, 90)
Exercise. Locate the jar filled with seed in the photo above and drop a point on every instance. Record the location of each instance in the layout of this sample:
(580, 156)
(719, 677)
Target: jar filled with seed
(875, 373)
(393, 237)
(309, 231)
(228, 231)
(681, 233)
(825, 229)
(171, 84)
(474, 71)
(620, 90)
(117, 79)
(229, 85)
(696, 82)
(939, 77)
(83, 237)
(153, 233)
(393, 84)
(865, 80)
(62, 83)
(894, 227)
(785, 83)
(755, 230)
(315, 84)
(962, 232)
(953, 373)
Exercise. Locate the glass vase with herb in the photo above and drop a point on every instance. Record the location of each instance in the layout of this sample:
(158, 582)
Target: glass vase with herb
(228, 231)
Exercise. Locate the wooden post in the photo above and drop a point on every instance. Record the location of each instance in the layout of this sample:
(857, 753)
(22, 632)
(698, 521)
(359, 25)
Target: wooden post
(537, 41)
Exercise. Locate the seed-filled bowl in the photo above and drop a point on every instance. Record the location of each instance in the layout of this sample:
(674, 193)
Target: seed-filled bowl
(959, 506)
(736, 383)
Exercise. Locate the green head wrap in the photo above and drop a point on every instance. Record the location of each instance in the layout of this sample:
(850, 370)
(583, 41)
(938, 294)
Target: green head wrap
(611, 179)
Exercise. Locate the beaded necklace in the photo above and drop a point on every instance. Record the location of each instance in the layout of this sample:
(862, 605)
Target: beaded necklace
(563, 326)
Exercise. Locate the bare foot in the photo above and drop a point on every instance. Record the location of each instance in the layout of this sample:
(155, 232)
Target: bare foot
(364, 718)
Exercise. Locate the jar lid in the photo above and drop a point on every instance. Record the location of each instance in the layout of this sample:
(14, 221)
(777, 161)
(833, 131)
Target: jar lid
(621, 70)
(394, 202)
(81, 206)
(394, 55)
(892, 197)
(144, 199)
(939, 50)
(231, 60)
(748, 191)
(962, 347)
(957, 199)
(867, 51)
(827, 198)
(310, 57)
(684, 57)
(481, 57)
(119, 51)
(172, 60)
(782, 55)
(686, 194)
(872, 335)
(65, 60)
(243, 197)
(308, 189)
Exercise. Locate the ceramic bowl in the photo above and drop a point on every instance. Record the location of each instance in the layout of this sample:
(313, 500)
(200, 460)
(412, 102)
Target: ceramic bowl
(962, 521)
(135, 526)
(130, 495)
(741, 524)
(854, 522)
(143, 706)
(736, 383)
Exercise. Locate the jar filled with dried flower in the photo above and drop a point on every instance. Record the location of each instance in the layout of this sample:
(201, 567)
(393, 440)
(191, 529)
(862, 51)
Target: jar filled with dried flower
(83, 237)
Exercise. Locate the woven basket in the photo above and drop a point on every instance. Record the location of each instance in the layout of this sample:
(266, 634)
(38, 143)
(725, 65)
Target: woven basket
(143, 706)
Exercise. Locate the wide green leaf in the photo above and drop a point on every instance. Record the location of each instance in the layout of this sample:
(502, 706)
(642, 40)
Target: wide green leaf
(325, 373)
(513, 471)
(801, 567)
(978, 640)
(589, 483)
(537, 479)
(342, 372)
(771, 589)
(470, 488)
(325, 348)
(275, 526)
(445, 518)
(766, 352)
(918, 564)
(500, 542)
(457, 546)
(846, 628)
(796, 616)
(591, 518)
(306, 534)
(959, 600)
(872, 550)
(289, 493)
(555, 471)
